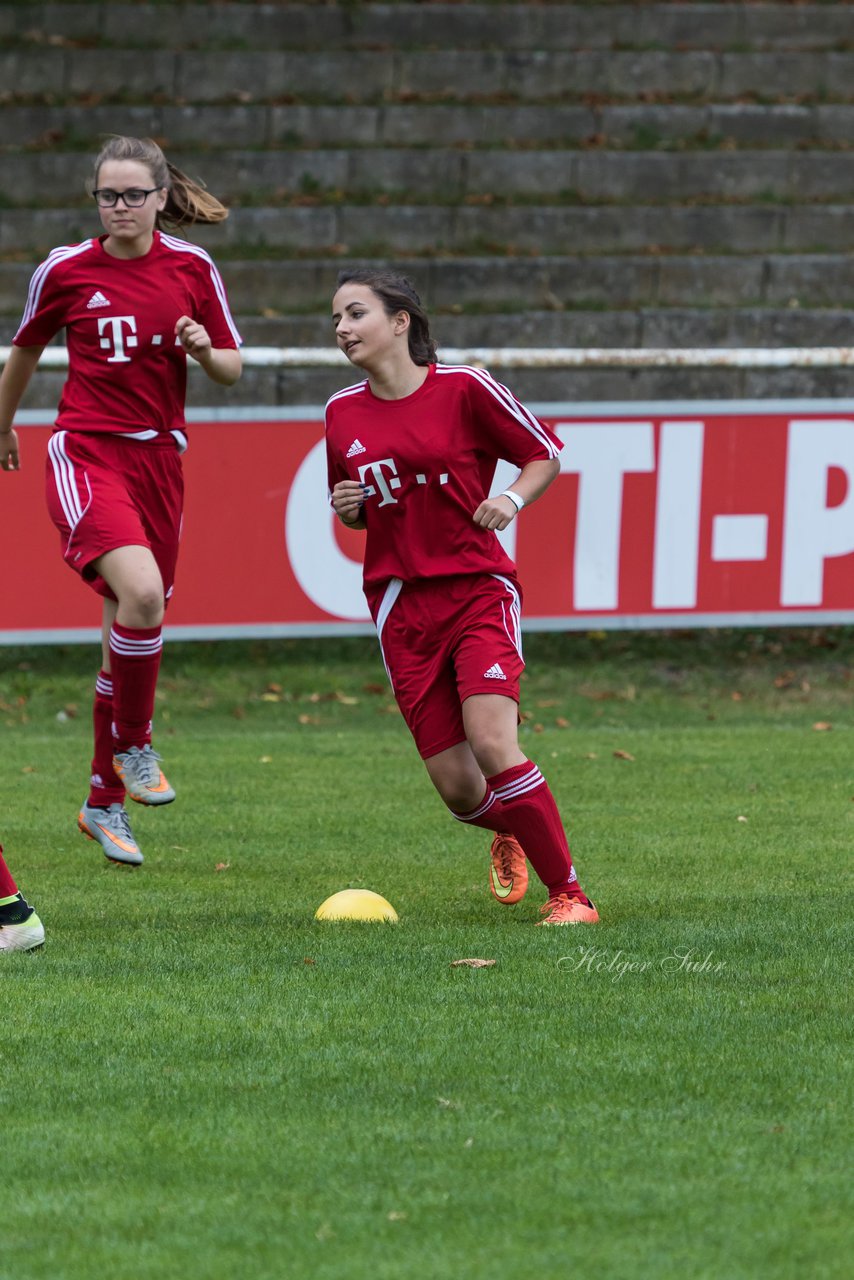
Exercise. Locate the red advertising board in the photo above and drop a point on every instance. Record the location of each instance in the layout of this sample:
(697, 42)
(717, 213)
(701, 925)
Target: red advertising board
(664, 515)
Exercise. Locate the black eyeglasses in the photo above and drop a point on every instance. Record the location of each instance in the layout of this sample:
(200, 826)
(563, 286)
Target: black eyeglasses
(134, 197)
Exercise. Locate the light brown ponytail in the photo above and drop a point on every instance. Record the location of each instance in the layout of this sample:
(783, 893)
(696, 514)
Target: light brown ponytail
(187, 199)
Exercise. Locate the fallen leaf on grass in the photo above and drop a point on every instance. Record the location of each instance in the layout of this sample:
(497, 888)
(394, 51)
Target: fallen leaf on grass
(741, 818)
(308, 960)
(346, 699)
(28, 768)
(472, 964)
(623, 755)
(222, 866)
(303, 719)
(821, 726)
(396, 1216)
(561, 722)
(375, 688)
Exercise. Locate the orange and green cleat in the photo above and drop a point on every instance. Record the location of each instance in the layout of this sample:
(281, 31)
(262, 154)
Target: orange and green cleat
(508, 875)
(566, 910)
(139, 769)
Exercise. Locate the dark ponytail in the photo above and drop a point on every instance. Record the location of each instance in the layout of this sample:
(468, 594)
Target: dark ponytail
(397, 294)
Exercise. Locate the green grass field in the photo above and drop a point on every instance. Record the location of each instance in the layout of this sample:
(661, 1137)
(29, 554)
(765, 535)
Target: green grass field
(199, 1081)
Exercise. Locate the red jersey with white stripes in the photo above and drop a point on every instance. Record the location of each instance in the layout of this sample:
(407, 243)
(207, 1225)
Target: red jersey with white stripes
(428, 460)
(127, 370)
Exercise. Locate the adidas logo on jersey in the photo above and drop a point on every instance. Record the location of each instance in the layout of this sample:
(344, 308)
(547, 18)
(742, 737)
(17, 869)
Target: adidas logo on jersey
(356, 447)
(494, 673)
(97, 300)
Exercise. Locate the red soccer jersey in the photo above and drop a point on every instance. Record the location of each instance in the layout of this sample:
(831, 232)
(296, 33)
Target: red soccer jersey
(429, 460)
(127, 371)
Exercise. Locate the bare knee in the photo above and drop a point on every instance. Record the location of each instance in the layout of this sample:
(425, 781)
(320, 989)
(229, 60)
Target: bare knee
(495, 752)
(141, 605)
(461, 797)
(455, 775)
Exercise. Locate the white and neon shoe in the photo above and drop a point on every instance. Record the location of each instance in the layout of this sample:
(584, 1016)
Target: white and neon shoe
(23, 935)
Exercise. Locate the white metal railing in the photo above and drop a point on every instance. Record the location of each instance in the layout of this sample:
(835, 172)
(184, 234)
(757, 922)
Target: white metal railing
(547, 357)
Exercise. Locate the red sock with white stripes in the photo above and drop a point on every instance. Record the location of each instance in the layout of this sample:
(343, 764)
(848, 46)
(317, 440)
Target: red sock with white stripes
(489, 813)
(135, 662)
(8, 888)
(532, 816)
(105, 787)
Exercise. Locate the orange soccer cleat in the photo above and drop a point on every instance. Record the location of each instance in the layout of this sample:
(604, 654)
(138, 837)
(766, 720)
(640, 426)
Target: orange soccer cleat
(566, 910)
(508, 875)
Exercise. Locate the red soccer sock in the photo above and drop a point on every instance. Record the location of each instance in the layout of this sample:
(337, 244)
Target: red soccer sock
(8, 888)
(489, 813)
(105, 787)
(532, 816)
(135, 662)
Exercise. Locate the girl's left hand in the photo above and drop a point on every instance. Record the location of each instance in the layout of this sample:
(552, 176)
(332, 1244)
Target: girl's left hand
(194, 338)
(495, 513)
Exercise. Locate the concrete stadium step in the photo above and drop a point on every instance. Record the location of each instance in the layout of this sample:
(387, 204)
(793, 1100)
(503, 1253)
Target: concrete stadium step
(340, 230)
(295, 387)
(365, 76)
(264, 177)
(637, 327)
(506, 26)
(644, 126)
(544, 283)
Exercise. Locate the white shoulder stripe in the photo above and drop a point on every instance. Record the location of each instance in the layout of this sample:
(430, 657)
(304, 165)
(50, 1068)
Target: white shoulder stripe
(61, 254)
(184, 246)
(356, 389)
(506, 398)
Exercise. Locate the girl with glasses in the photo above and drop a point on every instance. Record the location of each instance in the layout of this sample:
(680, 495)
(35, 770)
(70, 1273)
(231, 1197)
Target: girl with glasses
(135, 302)
(412, 451)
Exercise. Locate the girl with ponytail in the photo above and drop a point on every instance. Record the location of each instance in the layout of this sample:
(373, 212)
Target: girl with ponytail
(135, 303)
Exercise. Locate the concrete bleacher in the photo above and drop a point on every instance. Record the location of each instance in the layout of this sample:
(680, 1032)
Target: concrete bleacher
(548, 174)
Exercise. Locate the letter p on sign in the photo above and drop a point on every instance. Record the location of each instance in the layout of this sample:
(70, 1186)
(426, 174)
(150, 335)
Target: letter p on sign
(813, 531)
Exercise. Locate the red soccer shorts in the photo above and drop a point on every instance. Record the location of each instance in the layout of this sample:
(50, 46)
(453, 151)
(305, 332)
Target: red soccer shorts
(445, 639)
(105, 492)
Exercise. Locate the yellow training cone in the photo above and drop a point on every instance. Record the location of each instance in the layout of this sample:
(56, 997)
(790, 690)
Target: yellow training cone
(355, 904)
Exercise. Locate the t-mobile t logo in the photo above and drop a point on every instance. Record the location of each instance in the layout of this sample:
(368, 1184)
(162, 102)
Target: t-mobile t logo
(379, 480)
(116, 339)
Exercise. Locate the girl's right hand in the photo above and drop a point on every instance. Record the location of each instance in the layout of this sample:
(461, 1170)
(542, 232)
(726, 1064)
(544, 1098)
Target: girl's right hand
(348, 498)
(9, 457)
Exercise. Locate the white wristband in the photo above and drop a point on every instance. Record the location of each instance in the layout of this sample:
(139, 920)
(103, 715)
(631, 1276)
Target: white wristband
(514, 498)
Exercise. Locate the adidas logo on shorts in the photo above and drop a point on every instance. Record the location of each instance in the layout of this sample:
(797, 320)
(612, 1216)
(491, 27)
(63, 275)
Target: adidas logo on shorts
(494, 673)
(97, 300)
(356, 447)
